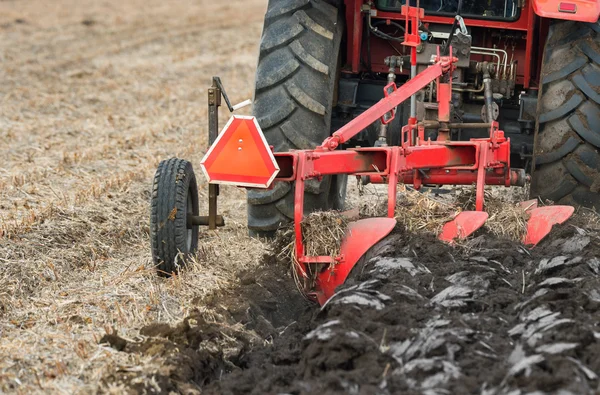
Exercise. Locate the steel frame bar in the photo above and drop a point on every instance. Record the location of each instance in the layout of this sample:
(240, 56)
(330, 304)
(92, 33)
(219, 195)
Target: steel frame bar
(415, 161)
(214, 102)
(436, 163)
(386, 105)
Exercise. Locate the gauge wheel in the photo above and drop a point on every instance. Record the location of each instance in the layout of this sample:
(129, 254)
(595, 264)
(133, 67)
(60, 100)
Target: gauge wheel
(174, 198)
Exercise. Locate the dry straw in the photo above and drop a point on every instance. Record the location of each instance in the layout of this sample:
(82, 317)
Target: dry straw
(80, 145)
(322, 233)
(507, 218)
(422, 212)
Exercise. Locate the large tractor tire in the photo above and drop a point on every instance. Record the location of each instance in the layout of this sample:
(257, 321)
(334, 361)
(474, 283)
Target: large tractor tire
(296, 81)
(567, 160)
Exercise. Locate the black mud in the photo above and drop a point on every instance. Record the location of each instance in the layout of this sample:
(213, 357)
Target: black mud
(417, 316)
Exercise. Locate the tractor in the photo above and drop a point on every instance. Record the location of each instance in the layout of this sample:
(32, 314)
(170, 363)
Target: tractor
(323, 63)
(429, 93)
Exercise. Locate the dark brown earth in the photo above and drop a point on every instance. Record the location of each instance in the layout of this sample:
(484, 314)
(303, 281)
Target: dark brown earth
(417, 316)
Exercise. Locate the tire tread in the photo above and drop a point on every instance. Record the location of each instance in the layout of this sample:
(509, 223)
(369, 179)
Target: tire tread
(293, 98)
(561, 174)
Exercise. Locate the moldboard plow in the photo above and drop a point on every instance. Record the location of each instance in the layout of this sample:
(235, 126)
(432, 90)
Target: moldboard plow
(241, 156)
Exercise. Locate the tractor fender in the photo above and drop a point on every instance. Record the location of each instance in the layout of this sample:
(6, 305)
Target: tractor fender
(570, 10)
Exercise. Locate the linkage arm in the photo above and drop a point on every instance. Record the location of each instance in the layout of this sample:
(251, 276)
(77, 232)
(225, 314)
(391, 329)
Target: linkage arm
(386, 105)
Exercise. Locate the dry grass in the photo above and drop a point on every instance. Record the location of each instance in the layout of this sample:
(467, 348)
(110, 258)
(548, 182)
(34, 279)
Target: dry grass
(322, 233)
(426, 212)
(422, 212)
(507, 218)
(86, 113)
(87, 110)
(590, 218)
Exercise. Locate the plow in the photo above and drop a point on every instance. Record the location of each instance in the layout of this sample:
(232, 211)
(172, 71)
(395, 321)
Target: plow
(415, 125)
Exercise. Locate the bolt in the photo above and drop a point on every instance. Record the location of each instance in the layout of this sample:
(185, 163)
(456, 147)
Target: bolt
(239, 148)
(240, 141)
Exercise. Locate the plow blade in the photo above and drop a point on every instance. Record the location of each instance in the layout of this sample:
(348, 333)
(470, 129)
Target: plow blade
(542, 220)
(463, 225)
(361, 236)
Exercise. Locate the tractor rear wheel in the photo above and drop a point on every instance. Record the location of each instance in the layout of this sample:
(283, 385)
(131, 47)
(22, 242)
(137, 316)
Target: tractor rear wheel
(174, 197)
(567, 155)
(296, 81)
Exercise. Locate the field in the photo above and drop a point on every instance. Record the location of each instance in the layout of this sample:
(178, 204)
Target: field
(92, 96)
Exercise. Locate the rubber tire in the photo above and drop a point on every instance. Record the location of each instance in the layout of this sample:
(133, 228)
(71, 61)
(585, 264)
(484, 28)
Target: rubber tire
(296, 82)
(568, 141)
(174, 183)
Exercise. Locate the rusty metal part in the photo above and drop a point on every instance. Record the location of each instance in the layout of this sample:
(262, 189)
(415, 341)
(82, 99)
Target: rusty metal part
(488, 92)
(393, 62)
(203, 220)
(386, 105)
(214, 101)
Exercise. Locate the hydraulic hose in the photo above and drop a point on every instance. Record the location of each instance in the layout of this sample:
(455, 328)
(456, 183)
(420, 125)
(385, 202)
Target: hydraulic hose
(454, 26)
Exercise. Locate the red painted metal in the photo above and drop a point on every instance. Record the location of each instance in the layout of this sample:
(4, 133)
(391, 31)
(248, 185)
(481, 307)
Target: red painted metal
(445, 91)
(389, 117)
(541, 221)
(240, 156)
(416, 161)
(361, 236)
(519, 24)
(385, 105)
(463, 226)
(412, 16)
(572, 10)
(354, 21)
(437, 163)
(529, 65)
(525, 54)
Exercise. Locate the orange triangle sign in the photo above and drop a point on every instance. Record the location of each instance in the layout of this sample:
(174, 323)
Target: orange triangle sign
(240, 156)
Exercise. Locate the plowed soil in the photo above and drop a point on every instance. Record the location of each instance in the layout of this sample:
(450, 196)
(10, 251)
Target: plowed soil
(416, 317)
(92, 96)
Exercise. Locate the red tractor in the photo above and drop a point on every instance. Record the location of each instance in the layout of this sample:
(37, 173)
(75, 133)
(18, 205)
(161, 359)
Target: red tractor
(532, 66)
(433, 93)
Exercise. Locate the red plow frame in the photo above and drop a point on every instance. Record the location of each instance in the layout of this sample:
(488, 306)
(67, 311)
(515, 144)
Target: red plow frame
(416, 161)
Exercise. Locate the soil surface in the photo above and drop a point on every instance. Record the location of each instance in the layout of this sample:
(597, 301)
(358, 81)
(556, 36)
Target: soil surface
(92, 96)
(417, 316)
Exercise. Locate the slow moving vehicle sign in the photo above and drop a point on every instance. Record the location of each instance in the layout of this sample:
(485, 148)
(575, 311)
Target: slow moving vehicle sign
(240, 156)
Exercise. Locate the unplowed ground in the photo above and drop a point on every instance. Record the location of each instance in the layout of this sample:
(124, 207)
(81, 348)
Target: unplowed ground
(92, 96)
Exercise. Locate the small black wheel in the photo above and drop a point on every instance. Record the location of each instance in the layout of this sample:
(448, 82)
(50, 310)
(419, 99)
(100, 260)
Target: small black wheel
(174, 197)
